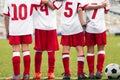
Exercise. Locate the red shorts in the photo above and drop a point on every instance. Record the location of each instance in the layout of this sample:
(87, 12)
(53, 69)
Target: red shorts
(46, 40)
(93, 39)
(73, 40)
(25, 39)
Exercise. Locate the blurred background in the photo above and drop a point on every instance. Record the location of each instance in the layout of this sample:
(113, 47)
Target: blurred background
(112, 18)
(2, 29)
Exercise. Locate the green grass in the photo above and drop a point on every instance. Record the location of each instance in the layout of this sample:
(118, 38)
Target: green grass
(112, 56)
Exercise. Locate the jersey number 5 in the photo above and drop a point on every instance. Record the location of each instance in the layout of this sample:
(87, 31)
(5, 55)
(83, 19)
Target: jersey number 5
(20, 12)
(68, 9)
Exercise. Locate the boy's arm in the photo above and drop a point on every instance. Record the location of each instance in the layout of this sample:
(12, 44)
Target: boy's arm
(56, 4)
(6, 20)
(107, 8)
(81, 18)
(96, 6)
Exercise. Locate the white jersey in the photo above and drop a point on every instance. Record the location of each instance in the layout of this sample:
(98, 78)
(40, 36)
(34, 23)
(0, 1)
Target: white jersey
(20, 18)
(95, 18)
(45, 18)
(70, 23)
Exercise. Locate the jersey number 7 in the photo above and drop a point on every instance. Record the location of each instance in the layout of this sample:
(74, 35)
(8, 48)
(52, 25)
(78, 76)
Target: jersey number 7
(94, 13)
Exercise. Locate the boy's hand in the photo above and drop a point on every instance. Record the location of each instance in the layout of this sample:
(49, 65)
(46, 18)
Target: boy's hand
(104, 4)
(7, 35)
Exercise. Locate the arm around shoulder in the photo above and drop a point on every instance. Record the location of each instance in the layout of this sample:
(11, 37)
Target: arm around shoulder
(95, 6)
(48, 3)
(81, 16)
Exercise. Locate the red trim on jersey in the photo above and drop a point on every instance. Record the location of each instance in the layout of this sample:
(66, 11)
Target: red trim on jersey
(6, 14)
(56, 6)
(106, 10)
(78, 6)
(83, 8)
(34, 6)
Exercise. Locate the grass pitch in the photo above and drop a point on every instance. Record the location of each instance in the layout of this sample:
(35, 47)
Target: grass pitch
(112, 56)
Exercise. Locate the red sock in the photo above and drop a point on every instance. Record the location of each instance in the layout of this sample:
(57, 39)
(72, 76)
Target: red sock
(16, 65)
(100, 61)
(80, 64)
(51, 61)
(38, 61)
(90, 61)
(26, 60)
(66, 62)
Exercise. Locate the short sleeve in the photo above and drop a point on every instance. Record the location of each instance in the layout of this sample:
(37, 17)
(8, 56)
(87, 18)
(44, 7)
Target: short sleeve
(82, 4)
(107, 8)
(6, 8)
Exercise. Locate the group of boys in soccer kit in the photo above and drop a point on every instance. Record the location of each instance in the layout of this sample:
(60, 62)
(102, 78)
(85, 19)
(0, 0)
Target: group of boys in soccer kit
(19, 28)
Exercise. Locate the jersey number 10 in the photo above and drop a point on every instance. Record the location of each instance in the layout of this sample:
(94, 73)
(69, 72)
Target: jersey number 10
(20, 12)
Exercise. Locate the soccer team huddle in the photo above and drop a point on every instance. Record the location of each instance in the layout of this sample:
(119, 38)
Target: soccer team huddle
(75, 32)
